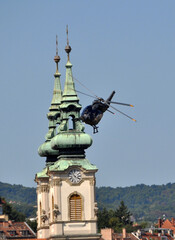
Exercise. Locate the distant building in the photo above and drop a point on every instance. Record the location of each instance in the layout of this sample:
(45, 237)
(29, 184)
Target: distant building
(3, 217)
(145, 234)
(13, 230)
(109, 234)
(154, 234)
(16, 230)
(170, 224)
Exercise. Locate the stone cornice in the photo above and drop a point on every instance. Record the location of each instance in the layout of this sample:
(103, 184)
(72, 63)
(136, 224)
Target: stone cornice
(43, 188)
(55, 182)
(43, 227)
(82, 221)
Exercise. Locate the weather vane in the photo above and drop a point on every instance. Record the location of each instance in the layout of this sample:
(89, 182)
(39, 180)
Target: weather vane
(67, 35)
(56, 45)
(57, 58)
(67, 48)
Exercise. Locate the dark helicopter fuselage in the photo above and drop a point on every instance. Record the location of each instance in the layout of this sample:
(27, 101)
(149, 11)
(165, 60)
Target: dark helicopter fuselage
(93, 113)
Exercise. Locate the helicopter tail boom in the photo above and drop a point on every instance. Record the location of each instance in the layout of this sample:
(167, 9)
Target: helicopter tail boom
(110, 97)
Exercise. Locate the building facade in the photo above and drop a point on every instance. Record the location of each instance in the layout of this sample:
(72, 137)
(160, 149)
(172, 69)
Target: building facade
(66, 186)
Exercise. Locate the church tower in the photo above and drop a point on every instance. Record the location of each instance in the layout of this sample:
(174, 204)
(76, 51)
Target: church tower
(66, 186)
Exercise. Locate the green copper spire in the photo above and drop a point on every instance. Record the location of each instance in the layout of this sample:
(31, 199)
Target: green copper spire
(69, 93)
(57, 93)
(53, 115)
(66, 148)
(71, 139)
(54, 111)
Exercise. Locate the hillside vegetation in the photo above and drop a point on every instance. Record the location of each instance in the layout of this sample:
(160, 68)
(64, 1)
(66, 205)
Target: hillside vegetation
(22, 198)
(146, 203)
(18, 193)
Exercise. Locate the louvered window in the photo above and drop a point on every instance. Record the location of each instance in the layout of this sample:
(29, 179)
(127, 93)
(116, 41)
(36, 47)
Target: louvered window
(75, 207)
(52, 203)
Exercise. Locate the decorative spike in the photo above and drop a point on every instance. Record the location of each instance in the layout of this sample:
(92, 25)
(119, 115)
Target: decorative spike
(54, 116)
(56, 45)
(67, 35)
(57, 58)
(68, 47)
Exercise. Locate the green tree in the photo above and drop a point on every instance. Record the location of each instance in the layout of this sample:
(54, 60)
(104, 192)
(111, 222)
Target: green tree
(118, 219)
(12, 213)
(115, 224)
(123, 214)
(103, 218)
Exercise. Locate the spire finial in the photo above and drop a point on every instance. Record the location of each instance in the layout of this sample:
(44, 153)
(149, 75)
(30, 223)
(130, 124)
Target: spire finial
(68, 47)
(57, 58)
(56, 45)
(67, 35)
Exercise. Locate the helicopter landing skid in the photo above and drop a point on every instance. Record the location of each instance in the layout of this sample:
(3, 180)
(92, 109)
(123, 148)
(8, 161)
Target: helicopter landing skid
(95, 128)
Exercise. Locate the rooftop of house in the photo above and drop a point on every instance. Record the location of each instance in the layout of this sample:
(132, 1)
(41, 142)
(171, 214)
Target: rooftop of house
(144, 234)
(16, 230)
(166, 223)
(155, 233)
(109, 234)
(156, 236)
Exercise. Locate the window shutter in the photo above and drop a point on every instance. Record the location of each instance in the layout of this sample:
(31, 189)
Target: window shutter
(75, 207)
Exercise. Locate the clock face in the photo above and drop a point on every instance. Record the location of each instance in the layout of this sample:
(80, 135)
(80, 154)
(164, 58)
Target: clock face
(75, 176)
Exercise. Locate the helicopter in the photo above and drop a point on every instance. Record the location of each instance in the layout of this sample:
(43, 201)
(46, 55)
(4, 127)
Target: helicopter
(92, 114)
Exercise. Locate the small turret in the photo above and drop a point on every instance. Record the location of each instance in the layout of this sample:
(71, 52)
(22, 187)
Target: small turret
(53, 115)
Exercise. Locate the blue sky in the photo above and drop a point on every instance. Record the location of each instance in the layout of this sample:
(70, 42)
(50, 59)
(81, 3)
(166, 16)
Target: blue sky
(122, 45)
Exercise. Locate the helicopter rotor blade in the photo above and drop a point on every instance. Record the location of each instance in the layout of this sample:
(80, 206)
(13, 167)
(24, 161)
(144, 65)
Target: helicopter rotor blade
(101, 99)
(125, 104)
(86, 87)
(110, 111)
(95, 98)
(120, 112)
(94, 95)
(123, 113)
(85, 94)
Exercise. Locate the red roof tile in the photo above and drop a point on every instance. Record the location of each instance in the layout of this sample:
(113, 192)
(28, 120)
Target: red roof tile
(16, 229)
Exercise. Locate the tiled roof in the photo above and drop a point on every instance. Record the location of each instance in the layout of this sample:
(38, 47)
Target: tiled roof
(129, 236)
(155, 236)
(16, 229)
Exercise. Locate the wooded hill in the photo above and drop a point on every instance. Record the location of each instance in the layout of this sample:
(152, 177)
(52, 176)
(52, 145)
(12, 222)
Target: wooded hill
(146, 203)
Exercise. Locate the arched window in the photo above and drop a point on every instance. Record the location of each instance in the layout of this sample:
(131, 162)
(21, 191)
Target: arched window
(71, 123)
(52, 203)
(40, 209)
(75, 204)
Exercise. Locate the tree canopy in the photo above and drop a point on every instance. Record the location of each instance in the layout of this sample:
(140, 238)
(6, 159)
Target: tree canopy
(116, 219)
(147, 203)
(12, 213)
